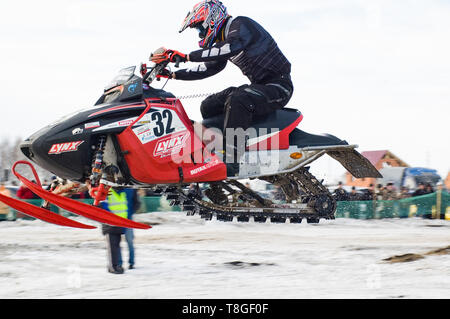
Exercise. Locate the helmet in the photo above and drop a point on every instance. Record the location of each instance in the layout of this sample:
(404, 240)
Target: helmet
(207, 17)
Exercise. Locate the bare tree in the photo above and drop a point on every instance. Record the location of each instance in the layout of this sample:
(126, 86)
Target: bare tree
(10, 153)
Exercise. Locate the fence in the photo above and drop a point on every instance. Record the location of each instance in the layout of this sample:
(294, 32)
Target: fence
(436, 205)
(148, 204)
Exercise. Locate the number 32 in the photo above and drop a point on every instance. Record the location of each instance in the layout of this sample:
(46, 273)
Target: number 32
(160, 129)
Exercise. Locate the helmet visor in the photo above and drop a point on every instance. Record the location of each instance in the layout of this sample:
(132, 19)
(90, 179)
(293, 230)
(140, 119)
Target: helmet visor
(202, 31)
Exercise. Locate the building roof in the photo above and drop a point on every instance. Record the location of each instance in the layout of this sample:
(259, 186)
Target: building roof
(374, 156)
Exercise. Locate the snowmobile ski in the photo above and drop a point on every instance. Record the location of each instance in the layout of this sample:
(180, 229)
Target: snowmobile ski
(41, 213)
(79, 208)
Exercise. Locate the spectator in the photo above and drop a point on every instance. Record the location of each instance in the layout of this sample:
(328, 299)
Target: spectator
(354, 195)
(340, 193)
(429, 189)
(4, 209)
(404, 192)
(133, 207)
(379, 192)
(369, 193)
(390, 193)
(120, 202)
(25, 193)
(420, 191)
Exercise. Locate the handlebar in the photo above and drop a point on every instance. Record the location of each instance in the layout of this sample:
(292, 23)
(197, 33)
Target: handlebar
(177, 61)
(149, 77)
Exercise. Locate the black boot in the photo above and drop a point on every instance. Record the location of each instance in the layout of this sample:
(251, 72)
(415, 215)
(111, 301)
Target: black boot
(116, 270)
(231, 159)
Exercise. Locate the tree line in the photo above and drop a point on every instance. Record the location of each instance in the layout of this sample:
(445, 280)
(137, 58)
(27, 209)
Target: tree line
(9, 154)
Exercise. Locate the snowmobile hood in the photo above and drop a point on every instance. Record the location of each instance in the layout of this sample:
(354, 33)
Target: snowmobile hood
(61, 146)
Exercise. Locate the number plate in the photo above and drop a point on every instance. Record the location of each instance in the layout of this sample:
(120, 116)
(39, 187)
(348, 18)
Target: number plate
(162, 122)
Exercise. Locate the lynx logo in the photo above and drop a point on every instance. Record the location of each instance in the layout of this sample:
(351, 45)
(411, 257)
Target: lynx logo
(65, 147)
(171, 145)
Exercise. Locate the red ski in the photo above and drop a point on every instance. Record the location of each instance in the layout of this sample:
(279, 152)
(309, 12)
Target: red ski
(74, 206)
(41, 213)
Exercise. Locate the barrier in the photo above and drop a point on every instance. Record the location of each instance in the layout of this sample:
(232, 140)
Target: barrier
(436, 205)
(157, 204)
(148, 205)
(13, 214)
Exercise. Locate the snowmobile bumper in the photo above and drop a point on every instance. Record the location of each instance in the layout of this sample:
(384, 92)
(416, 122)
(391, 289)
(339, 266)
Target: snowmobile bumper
(355, 163)
(352, 160)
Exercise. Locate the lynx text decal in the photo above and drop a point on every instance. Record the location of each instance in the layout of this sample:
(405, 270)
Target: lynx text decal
(171, 145)
(65, 147)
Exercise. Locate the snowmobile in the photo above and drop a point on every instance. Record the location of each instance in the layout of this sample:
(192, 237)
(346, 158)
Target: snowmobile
(140, 136)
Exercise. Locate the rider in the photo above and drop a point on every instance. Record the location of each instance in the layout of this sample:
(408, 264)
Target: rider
(246, 44)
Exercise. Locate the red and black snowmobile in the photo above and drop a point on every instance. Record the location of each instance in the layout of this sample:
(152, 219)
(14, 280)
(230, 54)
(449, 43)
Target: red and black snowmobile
(139, 136)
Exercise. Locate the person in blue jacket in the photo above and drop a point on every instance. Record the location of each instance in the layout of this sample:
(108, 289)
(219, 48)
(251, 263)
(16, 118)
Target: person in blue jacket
(133, 206)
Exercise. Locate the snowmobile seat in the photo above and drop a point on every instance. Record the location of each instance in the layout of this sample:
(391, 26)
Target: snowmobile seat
(303, 139)
(278, 120)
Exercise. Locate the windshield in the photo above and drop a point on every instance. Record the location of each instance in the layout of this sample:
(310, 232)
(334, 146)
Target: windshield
(129, 87)
(122, 77)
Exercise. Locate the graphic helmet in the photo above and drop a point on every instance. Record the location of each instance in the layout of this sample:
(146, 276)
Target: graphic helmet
(207, 17)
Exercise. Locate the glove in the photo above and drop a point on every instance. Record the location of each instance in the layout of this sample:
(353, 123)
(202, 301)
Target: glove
(166, 74)
(161, 55)
(174, 54)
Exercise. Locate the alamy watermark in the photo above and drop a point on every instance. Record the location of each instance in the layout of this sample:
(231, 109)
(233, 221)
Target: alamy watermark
(261, 145)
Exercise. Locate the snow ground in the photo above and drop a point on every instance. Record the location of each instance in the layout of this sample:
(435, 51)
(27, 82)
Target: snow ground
(186, 257)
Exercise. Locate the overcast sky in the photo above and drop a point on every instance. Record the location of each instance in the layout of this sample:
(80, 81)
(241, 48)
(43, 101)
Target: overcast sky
(375, 73)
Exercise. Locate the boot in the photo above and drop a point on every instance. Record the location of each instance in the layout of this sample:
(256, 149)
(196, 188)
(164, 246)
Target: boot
(118, 270)
(230, 157)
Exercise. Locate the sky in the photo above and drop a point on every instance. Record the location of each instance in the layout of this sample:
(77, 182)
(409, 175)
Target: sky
(375, 73)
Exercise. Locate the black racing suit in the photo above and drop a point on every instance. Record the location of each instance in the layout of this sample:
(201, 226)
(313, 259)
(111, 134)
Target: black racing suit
(251, 48)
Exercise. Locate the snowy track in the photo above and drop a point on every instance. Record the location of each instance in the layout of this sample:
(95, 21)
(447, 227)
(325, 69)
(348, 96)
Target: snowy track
(186, 257)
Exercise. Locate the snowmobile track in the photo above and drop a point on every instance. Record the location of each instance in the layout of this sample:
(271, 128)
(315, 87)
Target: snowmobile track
(309, 198)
